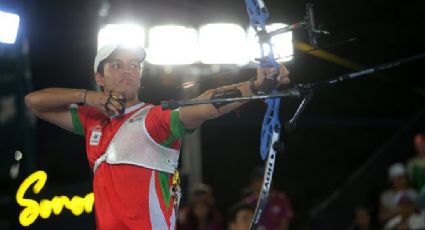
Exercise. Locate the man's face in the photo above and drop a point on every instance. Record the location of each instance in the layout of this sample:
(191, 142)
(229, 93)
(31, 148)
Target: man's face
(201, 210)
(400, 182)
(420, 144)
(242, 220)
(121, 74)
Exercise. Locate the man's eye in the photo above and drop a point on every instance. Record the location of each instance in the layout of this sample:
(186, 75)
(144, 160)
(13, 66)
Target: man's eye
(134, 66)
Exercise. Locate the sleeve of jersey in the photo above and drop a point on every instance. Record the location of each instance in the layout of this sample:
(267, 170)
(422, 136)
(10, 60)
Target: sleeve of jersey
(77, 122)
(165, 127)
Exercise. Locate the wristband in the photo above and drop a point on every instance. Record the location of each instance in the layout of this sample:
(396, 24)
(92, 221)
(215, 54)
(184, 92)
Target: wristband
(83, 102)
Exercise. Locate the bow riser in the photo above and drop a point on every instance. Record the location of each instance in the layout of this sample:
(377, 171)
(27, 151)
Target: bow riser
(270, 130)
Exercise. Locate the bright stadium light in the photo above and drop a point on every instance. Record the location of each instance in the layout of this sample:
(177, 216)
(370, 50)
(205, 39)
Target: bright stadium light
(223, 44)
(172, 45)
(126, 34)
(9, 24)
(282, 44)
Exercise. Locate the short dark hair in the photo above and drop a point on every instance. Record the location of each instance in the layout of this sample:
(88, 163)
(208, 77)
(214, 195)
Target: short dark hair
(101, 67)
(101, 70)
(235, 209)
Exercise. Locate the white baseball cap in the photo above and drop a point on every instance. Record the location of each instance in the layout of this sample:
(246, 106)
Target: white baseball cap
(107, 50)
(396, 170)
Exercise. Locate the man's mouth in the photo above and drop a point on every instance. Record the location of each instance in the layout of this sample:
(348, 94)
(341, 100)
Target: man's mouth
(126, 80)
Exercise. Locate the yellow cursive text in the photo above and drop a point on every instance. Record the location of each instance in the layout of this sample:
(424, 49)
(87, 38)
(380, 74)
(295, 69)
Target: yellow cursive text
(33, 209)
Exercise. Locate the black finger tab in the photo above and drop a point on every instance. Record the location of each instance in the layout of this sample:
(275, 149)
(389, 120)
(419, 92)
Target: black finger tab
(122, 102)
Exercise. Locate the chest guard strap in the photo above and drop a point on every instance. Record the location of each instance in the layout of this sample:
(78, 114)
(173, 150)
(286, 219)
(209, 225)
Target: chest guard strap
(133, 145)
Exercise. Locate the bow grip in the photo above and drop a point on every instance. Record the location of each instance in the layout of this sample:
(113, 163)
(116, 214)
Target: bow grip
(269, 84)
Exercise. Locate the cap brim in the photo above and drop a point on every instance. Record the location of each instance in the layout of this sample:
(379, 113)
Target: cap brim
(107, 50)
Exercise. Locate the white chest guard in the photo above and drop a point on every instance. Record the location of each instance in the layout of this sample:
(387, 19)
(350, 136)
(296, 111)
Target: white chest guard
(132, 144)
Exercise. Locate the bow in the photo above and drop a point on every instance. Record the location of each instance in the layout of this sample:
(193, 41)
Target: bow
(271, 127)
(270, 130)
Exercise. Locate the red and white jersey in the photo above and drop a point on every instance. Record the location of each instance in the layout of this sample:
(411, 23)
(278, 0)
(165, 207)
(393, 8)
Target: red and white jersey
(129, 196)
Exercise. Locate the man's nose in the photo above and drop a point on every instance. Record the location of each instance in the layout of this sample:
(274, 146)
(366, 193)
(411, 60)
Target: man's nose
(127, 69)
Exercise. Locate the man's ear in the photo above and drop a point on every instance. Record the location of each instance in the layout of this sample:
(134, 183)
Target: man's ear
(99, 79)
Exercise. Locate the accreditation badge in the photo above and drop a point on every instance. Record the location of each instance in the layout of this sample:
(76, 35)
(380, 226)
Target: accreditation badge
(96, 134)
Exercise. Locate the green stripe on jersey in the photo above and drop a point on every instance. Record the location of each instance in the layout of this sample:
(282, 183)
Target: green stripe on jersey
(163, 178)
(177, 129)
(78, 127)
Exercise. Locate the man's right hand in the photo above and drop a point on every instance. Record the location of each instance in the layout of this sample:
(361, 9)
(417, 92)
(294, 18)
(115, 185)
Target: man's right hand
(109, 103)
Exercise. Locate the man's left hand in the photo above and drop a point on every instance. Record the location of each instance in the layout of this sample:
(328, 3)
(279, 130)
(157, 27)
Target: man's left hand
(282, 78)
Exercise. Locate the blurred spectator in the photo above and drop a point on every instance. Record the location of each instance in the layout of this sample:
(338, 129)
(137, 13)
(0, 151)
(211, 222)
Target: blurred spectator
(400, 185)
(278, 211)
(416, 165)
(362, 219)
(201, 213)
(241, 216)
(407, 217)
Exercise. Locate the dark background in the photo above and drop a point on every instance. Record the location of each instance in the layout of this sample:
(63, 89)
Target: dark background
(370, 120)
